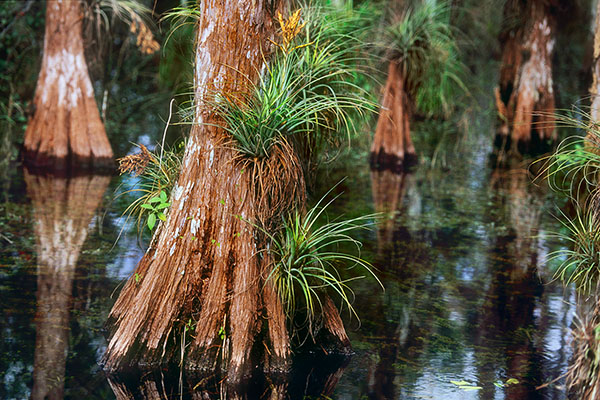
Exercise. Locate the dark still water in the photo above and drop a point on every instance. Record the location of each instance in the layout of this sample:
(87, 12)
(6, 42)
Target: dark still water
(468, 312)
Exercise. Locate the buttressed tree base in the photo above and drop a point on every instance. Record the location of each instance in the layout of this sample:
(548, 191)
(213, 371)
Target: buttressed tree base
(525, 97)
(392, 145)
(66, 125)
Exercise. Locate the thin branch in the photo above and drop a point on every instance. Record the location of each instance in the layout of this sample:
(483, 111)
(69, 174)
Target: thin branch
(17, 16)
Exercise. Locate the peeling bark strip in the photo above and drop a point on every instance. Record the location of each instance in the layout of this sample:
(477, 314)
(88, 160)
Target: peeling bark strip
(392, 146)
(526, 72)
(204, 262)
(66, 124)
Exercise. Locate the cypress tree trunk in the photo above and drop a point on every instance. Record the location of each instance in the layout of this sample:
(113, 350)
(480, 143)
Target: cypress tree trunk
(63, 209)
(66, 125)
(526, 85)
(595, 88)
(204, 264)
(392, 146)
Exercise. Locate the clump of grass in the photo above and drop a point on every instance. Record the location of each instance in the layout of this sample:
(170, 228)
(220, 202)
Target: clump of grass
(306, 262)
(157, 175)
(422, 42)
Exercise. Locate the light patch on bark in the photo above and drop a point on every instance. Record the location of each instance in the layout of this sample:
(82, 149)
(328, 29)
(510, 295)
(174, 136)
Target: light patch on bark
(177, 192)
(211, 157)
(66, 70)
(194, 225)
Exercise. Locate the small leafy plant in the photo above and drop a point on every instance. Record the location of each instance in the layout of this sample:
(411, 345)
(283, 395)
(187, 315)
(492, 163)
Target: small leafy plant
(156, 206)
(509, 381)
(464, 385)
(156, 178)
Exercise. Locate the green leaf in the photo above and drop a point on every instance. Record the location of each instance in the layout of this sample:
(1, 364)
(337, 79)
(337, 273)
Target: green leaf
(464, 385)
(460, 383)
(499, 384)
(162, 217)
(151, 221)
(163, 196)
(155, 199)
(147, 206)
(512, 381)
(163, 206)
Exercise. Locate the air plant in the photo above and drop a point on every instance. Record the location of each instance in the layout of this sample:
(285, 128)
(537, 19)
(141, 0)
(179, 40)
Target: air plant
(573, 169)
(306, 262)
(304, 96)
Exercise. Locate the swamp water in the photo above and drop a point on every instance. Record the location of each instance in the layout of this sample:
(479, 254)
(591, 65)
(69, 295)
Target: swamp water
(468, 312)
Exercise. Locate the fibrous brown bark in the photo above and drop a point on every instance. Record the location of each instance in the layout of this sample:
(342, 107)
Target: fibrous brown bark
(66, 125)
(582, 379)
(205, 263)
(63, 209)
(392, 146)
(525, 97)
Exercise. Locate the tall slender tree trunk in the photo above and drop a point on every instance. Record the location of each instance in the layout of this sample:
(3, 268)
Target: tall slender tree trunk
(525, 97)
(392, 146)
(204, 265)
(66, 125)
(63, 209)
(595, 88)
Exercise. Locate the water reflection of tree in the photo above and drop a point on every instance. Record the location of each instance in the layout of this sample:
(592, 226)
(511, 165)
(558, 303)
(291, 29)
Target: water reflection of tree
(404, 257)
(514, 315)
(63, 209)
(312, 377)
(524, 203)
(388, 190)
(464, 298)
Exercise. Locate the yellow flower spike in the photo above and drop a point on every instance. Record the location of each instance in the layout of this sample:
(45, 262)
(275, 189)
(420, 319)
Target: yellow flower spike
(290, 28)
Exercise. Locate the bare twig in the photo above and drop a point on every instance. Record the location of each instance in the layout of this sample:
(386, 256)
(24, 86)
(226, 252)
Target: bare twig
(19, 14)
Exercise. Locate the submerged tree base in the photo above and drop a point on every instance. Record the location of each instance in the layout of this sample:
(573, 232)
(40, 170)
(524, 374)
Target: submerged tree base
(506, 150)
(313, 376)
(85, 165)
(383, 161)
